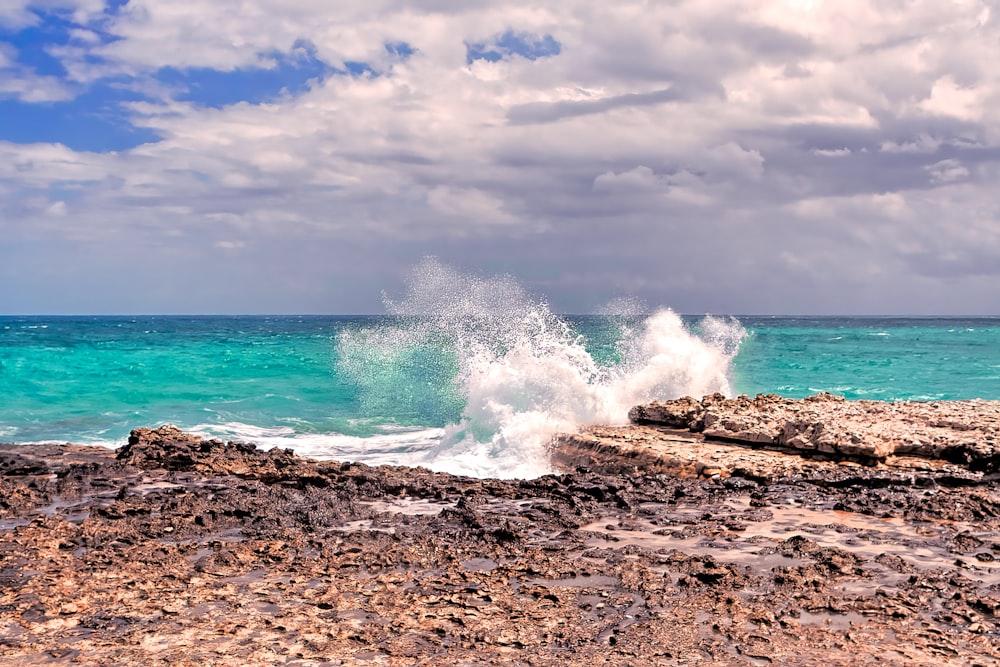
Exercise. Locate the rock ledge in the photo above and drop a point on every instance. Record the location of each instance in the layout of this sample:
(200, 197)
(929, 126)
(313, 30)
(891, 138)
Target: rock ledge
(963, 432)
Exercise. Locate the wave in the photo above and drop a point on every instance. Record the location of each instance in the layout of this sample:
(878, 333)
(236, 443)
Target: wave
(396, 447)
(506, 374)
(464, 374)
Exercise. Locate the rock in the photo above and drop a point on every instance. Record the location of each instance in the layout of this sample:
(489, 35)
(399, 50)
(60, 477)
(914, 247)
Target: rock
(682, 413)
(169, 448)
(653, 545)
(958, 431)
(165, 447)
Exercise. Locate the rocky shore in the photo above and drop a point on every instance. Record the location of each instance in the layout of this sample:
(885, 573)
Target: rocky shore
(747, 531)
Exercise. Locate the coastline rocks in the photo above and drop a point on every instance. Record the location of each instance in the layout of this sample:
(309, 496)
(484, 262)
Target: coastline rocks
(964, 432)
(661, 547)
(678, 453)
(169, 448)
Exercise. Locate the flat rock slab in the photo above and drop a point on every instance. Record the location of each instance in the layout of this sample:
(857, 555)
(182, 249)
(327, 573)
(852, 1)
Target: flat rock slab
(182, 551)
(681, 453)
(959, 431)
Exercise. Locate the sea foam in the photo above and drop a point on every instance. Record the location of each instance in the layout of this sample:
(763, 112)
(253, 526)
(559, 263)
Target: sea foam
(508, 373)
(401, 446)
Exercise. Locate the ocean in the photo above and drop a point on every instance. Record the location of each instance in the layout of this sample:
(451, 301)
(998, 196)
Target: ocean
(473, 380)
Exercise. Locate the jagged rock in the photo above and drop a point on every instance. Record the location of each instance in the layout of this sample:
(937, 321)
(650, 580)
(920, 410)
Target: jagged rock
(668, 548)
(682, 413)
(165, 447)
(170, 448)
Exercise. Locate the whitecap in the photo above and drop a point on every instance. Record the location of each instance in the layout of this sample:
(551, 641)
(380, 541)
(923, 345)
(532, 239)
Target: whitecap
(400, 447)
(516, 372)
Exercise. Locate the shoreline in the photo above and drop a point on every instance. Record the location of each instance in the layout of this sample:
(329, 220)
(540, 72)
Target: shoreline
(657, 544)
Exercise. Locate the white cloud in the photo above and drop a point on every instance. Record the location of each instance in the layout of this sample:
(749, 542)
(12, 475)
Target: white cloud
(18, 14)
(15, 14)
(786, 129)
(950, 99)
(19, 82)
(472, 207)
(921, 144)
(639, 179)
(57, 209)
(32, 89)
(948, 170)
(730, 161)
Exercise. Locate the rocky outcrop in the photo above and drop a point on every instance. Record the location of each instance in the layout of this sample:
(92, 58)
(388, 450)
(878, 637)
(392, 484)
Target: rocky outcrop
(660, 547)
(964, 432)
(170, 448)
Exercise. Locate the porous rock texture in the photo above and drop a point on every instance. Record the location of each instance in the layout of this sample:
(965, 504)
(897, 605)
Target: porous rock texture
(182, 551)
(961, 431)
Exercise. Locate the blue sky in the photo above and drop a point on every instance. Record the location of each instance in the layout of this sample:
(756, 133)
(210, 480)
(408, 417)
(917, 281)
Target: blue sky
(796, 156)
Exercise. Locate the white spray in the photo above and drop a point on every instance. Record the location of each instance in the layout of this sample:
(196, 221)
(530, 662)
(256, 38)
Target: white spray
(522, 372)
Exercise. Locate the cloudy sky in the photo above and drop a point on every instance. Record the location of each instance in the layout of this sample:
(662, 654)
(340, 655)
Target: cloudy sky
(248, 156)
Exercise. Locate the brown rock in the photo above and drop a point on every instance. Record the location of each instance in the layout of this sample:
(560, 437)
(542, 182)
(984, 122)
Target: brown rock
(958, 431)
(637, 554)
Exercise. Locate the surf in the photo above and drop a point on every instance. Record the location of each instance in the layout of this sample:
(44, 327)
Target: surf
(505, 373)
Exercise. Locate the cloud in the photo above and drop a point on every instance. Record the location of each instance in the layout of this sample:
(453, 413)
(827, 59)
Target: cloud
(920, 144)
(831, 152)
(472, 207)
(947, 98)
(18, 14)
(548, 112)
(640, 179)
(948, 170)
(783, 156)
(19, 82)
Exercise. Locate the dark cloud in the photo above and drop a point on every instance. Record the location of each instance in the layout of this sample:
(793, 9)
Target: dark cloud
(762, 43)
(550, 112)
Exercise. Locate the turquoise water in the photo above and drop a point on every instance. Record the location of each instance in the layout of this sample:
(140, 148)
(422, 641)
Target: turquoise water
(94, 378)
(397, 389)
(871, 357)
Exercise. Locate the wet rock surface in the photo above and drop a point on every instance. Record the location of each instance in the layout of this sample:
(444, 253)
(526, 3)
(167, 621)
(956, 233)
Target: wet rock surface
(656, 546)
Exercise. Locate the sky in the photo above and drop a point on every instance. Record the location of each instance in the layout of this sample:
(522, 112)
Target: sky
(302, 156)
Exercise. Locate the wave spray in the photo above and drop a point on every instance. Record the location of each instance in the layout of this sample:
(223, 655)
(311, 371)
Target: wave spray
(506, 374)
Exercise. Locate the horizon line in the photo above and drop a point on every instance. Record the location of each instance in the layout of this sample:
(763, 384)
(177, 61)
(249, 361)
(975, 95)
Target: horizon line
(646, 313)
